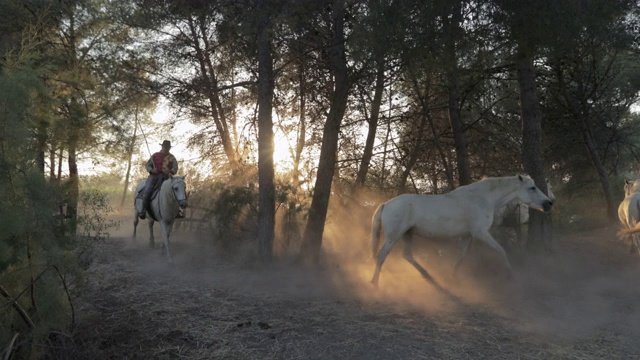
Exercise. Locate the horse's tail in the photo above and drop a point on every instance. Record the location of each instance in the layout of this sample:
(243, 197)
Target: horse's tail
(376, 221)
(630, 231)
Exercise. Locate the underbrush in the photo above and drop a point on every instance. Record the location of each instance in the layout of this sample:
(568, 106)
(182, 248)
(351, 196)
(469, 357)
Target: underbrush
(42, 263)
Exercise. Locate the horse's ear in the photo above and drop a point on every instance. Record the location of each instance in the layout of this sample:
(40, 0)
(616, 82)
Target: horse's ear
(520, 177)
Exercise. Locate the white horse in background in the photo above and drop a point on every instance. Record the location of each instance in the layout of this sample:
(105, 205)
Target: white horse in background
(515, 213)
(163, 208)
(629, 214)
(466, 212)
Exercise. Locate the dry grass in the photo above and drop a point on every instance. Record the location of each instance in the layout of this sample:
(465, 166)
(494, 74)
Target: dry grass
(582, 306)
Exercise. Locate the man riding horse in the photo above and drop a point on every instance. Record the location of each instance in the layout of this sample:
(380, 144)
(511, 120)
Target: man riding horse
(160, 166)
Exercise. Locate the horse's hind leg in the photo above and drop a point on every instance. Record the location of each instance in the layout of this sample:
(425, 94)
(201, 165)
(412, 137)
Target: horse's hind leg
(382, 255)
(151, 238)
(408, 255)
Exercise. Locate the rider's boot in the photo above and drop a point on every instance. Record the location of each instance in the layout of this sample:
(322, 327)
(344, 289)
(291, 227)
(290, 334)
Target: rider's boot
(145, 204)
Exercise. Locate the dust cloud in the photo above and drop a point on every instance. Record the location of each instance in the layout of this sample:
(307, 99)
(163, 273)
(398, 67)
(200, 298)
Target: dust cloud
(587, 284)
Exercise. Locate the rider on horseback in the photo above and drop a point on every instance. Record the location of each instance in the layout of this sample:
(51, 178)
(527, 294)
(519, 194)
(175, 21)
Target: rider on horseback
(160, 166)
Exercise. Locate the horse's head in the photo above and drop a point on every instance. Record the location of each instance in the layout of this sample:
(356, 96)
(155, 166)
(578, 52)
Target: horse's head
(631, 187)
(179, 189)
(529, 194)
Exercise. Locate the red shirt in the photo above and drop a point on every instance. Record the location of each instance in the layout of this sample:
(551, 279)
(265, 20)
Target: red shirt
(162, 163)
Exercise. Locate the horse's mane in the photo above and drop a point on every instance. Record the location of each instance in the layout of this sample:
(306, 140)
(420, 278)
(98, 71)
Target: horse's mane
(491, 183)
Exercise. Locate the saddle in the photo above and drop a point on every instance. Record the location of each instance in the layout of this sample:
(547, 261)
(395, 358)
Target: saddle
(154, 193)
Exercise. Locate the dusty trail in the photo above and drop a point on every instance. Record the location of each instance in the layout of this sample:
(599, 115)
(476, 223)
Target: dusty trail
(581, 303)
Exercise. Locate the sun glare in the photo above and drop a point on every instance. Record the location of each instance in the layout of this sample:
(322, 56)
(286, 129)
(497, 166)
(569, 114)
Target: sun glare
(282, 157)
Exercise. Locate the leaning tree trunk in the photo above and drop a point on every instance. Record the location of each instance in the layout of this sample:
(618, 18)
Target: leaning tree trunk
(212, 94)
(582, 121)
(540, 234)
(596, 160)
(363, 169)
(266, 198)
(416, 150)
(327, 164)
(130, 148)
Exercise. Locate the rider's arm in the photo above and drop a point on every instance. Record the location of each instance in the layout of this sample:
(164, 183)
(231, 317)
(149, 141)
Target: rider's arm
(174, 165)
(151, 167)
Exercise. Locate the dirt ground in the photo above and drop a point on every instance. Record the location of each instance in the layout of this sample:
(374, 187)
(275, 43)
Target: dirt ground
(582, 302)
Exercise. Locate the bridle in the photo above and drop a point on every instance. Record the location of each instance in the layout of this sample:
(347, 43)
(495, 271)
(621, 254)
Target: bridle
(175, 196)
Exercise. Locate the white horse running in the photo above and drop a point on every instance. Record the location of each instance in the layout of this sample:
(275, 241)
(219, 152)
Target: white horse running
(464, 212)
(629, 214)
(164, 208)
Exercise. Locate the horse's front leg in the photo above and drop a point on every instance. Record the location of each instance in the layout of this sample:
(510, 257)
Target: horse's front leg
(484, 236)
(151, 239)
(135, 225)
(166, 231)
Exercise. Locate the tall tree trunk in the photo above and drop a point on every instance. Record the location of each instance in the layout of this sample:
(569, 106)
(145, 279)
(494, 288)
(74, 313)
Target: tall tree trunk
(52, 163)
(540, 231)
(41, 146)
(130, 148)
(453, 31)
(426, 113)
(363, 169)
(74, 183)
(60, 158)
(385, 148)
(302, 128)
(266, 201)
(77, 117)
(327, 164)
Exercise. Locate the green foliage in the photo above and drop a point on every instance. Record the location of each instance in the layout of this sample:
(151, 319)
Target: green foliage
(227, 214)
(233, 214)
(41, 261)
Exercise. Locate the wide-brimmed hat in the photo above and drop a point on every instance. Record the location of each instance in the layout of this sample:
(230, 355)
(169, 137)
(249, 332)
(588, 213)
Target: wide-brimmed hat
(166, 143)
